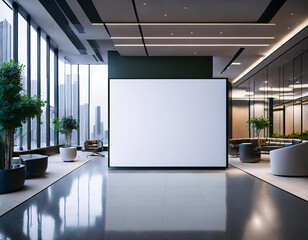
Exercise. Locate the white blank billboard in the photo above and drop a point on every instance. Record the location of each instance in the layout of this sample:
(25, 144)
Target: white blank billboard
(167, 122)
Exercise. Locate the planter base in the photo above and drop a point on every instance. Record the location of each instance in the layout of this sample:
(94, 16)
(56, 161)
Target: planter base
(36, 164)
(12, 179)
(68, 154)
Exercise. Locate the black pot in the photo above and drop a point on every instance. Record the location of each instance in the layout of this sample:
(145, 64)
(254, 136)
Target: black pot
(12, 179)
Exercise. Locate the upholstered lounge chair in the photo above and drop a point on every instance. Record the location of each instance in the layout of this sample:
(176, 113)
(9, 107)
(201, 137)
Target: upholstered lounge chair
(290, 161)
(94, 146)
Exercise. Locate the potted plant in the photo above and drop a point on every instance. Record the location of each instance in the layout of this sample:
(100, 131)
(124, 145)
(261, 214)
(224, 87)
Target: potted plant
(15, 109)
(65, 126)
(259, 123)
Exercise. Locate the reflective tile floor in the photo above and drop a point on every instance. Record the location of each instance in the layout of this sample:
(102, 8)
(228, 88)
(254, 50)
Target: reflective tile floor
(96, 203)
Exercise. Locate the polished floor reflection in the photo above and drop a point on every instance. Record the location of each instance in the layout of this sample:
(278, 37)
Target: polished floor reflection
(96, 203)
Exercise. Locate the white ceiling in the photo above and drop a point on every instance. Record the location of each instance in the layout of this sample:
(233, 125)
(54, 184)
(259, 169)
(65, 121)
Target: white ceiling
(292, 13)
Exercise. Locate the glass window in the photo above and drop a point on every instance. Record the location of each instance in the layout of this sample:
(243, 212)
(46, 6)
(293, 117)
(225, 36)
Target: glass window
(22, 58)
(61, 94)
(6, 41)
(98, 102)
(75, 100)
(43, 91)
(68, 88)
(52, 97)
(6, 31)
(33, 84)
(84, 103)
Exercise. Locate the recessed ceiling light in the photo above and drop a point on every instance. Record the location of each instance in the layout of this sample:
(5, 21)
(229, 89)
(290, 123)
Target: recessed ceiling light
(171, 34)
(236, 63)
(165, 15)
(220, 32)
(185, 7)
(288, 27)
(291, 14)
(191, 33)
(195, 53)
(265, 81)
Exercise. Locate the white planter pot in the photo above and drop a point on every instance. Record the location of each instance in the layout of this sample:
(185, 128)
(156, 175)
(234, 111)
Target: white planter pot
(68, 154)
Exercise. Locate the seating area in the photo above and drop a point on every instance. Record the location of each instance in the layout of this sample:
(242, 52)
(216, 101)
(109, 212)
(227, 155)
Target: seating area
(288, 157)
(268, 144)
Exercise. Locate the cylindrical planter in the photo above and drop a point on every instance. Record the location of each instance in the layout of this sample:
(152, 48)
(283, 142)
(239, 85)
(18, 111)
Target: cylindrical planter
(68, 154)
(36, 164)
(12, 179)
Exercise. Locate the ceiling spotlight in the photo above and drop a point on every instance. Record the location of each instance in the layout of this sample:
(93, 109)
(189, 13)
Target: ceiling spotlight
(291, 14)
(195, 53)
(288, 27)
(165, 15)
(191, 33)
(185, 8)
(144, 4)
(220, 32)
(171, 34)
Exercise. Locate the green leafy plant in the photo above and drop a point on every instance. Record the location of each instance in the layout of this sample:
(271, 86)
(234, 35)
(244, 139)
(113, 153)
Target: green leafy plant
(66, 125)
(259, 123)
(15, 108)
(296, 135)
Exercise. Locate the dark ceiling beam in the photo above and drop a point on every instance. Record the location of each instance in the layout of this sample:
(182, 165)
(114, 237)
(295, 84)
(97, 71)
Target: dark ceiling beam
(56, 13)
(236, 55)
(271, 11)
(95, 48)
(70, 15)
(91, 12)
(140, 29)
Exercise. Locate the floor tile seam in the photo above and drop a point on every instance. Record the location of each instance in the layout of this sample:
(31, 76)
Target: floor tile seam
(45, 188)
(269, 183)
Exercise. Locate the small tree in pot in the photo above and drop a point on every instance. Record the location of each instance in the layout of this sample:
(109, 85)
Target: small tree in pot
(259, 123)
(15, 109)
(66, 125)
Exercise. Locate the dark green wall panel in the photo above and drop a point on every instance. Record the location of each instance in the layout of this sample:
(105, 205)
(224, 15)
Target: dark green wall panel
(159, 67)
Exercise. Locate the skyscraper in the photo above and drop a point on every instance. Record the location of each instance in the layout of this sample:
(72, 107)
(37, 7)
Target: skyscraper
(98, 122)
(5, 41)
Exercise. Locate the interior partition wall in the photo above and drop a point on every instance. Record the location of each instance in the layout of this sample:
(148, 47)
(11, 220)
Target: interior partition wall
(279, 91)
(168, 122)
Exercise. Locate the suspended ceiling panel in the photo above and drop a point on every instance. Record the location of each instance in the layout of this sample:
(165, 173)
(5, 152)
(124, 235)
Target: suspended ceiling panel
(119, 28)
(200, 11)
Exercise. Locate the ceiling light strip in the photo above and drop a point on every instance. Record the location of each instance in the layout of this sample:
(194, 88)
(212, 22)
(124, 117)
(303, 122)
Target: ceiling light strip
(299, 28)
(194, 38)
(192, 45)
(183, 24)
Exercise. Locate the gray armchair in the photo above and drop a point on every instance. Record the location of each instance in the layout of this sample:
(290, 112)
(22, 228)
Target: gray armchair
(290, 161)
